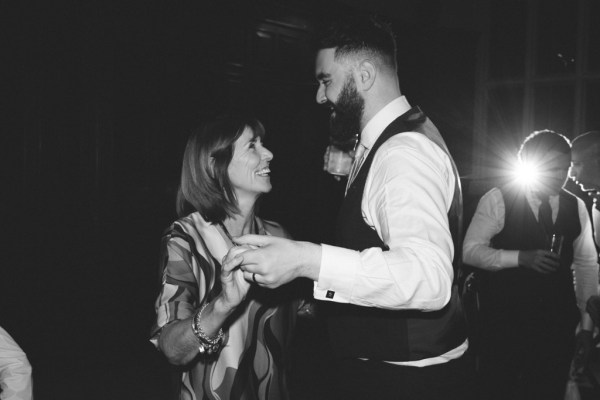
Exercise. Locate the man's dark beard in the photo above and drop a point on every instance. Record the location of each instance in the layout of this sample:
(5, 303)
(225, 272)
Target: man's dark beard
(345, 125)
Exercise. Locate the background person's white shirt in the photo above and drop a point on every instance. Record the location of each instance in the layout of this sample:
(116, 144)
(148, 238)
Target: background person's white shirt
(488, 221)
(15, 370)
(596, 222)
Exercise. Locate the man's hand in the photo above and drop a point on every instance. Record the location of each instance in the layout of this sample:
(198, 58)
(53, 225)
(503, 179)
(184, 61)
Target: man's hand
(583, 350)
(541, 261)
(274, 261)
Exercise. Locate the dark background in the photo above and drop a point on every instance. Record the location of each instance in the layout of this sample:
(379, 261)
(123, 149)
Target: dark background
(98, 98)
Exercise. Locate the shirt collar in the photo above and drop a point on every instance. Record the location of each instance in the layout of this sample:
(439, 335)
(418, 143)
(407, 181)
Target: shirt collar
(382, 119)
(532, 198)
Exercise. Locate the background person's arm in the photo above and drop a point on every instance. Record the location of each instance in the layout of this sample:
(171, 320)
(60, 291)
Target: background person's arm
(15, 370)
(486, 223)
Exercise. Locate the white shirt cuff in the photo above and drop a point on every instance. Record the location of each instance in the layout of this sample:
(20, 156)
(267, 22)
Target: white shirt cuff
(509, 258)
(337, 275)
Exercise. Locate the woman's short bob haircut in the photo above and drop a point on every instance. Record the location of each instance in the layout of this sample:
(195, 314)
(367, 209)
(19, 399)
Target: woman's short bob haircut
(205, 186)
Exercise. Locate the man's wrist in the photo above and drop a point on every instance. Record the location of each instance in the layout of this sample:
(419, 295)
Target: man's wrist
(312, 260)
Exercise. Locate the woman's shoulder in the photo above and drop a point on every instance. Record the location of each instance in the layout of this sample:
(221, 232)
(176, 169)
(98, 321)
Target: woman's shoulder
(191, 227)
(275, 229)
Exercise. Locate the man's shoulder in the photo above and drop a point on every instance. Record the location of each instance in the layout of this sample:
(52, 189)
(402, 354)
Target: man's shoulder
(493, 195)
(413, 142)
(567, 195)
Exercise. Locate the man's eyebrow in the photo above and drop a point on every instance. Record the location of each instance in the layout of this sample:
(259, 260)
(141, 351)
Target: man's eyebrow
(322, 75)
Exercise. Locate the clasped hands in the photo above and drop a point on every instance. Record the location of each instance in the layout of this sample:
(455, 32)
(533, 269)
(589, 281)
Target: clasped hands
(271, 261)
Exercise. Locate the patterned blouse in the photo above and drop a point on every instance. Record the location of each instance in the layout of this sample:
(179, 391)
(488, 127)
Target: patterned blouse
(254, 360)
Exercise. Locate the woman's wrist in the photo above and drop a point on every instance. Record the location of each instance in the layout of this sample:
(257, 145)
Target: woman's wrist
(222, 308)
(209, 340)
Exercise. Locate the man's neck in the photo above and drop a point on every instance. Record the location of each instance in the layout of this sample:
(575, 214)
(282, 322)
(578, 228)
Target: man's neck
(376, 100)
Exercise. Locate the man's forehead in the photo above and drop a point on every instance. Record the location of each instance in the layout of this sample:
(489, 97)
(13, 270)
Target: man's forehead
(326, 55)
(584, 152)
(549, 158)
(558, 159)
(325, 64)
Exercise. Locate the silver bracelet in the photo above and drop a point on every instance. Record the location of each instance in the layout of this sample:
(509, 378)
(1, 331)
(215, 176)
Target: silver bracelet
(206, 344)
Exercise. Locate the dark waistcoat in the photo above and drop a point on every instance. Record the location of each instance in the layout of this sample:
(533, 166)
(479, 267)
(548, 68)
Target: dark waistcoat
(519, 292)
(388, 335)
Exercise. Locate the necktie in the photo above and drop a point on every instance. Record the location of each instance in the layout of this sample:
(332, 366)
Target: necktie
(545, 215)
(358, 159)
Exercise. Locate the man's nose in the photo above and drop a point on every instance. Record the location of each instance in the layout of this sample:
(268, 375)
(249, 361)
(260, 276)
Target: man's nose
(573, 172)
(321, 98)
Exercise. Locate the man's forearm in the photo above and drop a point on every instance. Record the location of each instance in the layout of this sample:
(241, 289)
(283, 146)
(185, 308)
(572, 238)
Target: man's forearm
(586, 321)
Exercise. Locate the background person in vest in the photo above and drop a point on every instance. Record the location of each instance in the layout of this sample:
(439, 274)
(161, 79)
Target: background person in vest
(529, 309)
(585, 170)
(393, 318)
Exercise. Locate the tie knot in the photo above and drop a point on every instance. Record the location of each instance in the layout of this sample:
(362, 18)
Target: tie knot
(358, 155)
(360, 150)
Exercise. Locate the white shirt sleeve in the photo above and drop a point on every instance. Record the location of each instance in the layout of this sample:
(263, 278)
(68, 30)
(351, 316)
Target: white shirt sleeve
(596, 223)
(15, 370)
(408, 192)
(585, 260)
(487, 222)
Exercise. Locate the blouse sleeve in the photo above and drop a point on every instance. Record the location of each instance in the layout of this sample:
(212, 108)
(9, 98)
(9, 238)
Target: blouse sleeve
(179, 294)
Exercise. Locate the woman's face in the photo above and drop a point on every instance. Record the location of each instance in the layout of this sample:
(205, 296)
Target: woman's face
(249, 167)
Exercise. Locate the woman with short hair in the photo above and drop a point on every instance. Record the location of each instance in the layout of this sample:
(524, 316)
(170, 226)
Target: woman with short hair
(230, 335)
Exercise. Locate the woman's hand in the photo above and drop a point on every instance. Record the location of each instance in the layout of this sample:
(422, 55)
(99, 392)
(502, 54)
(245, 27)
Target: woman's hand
(235, 287)
(307, 309)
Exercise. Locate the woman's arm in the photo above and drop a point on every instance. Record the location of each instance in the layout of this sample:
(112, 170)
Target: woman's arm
(177, 339)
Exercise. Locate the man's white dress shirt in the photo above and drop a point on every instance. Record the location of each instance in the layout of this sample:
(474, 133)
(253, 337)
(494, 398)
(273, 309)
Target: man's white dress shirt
(408, 192)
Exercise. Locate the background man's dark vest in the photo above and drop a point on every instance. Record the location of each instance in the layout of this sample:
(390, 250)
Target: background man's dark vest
(389, 335)
(518, 293)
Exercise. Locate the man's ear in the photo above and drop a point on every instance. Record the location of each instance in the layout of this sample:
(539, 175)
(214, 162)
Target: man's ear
(366, 74)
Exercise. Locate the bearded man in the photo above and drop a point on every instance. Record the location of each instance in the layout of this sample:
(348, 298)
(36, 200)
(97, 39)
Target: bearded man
(386, 288)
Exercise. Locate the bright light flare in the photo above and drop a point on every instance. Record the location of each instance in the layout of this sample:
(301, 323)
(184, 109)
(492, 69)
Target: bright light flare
(526, 173)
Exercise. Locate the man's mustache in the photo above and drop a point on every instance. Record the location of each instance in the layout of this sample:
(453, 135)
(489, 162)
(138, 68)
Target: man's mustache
(331, 107)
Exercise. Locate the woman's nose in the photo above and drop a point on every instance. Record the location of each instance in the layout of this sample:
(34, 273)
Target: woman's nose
(267, 155)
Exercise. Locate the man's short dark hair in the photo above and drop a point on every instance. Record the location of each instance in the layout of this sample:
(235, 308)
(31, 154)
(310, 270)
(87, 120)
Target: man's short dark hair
(205, 186)
(360, 35)
(588, 140)
(539, 143)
